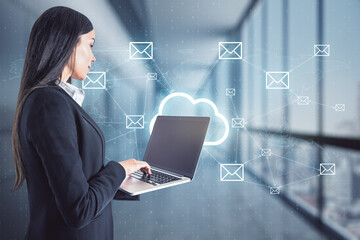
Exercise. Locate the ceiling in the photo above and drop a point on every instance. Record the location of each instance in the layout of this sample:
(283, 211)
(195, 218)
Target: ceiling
(186, 35)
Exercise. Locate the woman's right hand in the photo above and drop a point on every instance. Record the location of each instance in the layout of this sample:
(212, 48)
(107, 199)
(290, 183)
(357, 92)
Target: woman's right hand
(132, 165)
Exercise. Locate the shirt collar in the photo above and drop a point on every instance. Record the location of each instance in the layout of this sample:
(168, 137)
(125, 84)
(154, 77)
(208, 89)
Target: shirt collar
(76, 93)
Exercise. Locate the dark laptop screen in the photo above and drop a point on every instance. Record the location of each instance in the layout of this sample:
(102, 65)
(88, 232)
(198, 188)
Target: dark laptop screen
(175, 143)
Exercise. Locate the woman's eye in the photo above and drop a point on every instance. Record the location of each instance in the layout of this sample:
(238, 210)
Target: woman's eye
(91, 45)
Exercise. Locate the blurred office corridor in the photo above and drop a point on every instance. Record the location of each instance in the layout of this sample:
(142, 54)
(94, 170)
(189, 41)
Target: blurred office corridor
(281, 137)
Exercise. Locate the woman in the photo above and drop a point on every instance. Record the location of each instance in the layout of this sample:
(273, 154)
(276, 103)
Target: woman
(57, 147)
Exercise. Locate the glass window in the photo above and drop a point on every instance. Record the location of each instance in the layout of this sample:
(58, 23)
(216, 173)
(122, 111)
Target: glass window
(302, 66)
(246, 78)
(341, 76)
(274, 63)
(253, 61)
(341, 191)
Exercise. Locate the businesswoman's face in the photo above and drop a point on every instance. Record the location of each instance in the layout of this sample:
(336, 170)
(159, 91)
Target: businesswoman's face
(82, 56)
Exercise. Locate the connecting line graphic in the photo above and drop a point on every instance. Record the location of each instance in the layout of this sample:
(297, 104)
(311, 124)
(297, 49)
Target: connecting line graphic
(325, 105)
(267, 159)
(258, 157)
(257, 67)
(162, 74)
(167, 88)
(137, 149)
(296, 162)
(302, 63)
(259, 184)
(116, 102)
(237, 145)
(135, 77)
(117, 65)
(306, 179)
(146, 95)
(274, 110)
(250, 135)
(294, 93)
(146, 91)
(232, 102)
(119, 136)
(207, 74)
(146, 87)
(311, 86)
(110, 50)
(110, 122)
(271, 172)
(212, 156)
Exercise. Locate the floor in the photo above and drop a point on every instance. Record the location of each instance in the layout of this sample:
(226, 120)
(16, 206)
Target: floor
(207, 208)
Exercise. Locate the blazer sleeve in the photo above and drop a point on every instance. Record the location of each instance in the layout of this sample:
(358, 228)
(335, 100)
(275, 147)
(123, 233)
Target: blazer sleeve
(120, 195)
(51, 127)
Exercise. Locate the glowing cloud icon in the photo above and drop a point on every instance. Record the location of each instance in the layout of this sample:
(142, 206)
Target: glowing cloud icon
(195, 101)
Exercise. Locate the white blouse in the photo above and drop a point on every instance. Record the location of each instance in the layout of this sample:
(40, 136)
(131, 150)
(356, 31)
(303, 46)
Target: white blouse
(76, 93)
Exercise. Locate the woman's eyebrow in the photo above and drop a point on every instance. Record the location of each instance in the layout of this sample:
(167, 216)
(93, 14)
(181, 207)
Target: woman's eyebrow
(93, 39)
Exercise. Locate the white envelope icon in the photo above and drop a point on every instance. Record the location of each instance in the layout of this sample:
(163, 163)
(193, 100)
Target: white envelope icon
(134, 121)
(266, 152)
(141, 50)
(303, 100)
(321, 50)
(277, 80)
(238, 122)
(339, 107)
(327, 168)
(232, 172)
(230, 92)
(95, 80)
(230, 50)
(151, 76)
(274, 190)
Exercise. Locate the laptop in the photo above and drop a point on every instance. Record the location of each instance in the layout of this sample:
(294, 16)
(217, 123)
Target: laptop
(173, 152)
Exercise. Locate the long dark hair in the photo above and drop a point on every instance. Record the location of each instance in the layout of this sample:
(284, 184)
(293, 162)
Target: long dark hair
(52, 41)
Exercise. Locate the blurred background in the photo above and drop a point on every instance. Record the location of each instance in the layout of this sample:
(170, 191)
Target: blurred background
(276, 36)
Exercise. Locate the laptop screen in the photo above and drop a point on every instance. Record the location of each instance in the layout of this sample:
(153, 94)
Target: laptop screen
(175, 143)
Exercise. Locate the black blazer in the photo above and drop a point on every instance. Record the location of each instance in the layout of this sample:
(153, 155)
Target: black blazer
(69, 188)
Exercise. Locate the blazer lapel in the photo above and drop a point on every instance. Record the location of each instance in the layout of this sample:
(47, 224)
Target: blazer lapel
(92, 123)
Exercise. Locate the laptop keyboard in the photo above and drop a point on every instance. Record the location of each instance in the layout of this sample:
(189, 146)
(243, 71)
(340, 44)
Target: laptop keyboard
(155, 178)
